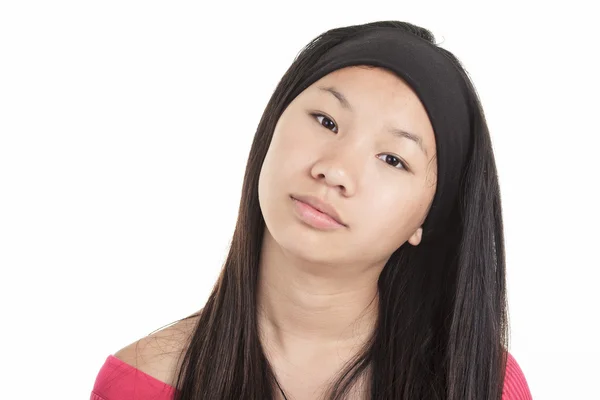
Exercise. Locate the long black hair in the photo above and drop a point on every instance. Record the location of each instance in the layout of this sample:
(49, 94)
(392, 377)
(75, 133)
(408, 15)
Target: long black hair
(442, 329)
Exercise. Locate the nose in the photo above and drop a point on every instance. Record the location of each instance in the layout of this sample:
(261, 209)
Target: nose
(337, 169)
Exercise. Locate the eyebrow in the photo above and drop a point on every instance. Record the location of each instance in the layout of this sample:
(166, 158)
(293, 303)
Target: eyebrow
(411, 136)
(343, 101)
(394, 131)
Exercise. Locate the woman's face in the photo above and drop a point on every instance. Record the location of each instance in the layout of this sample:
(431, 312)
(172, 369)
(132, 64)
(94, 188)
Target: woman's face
(347, 142)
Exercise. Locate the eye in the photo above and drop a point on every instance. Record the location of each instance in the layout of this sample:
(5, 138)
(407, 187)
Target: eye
(325, 122)
(393, 161)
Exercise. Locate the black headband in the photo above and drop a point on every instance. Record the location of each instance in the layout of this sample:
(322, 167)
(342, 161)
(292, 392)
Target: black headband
(437, 83)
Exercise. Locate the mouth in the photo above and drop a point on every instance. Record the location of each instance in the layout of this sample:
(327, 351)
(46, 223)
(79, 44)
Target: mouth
(317, 213)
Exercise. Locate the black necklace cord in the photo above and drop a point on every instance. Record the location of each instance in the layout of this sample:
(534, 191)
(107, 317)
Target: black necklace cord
(279, 386)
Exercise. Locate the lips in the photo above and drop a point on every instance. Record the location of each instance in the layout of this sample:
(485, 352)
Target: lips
(321, 206)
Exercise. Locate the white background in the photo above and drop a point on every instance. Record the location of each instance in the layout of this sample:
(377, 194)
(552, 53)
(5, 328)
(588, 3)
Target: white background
(125, 128)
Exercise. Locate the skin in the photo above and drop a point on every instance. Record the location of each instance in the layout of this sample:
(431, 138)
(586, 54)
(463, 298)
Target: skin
(318, 289)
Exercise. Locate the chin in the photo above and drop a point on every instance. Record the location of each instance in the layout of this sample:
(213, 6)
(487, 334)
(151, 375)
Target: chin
(312, 247)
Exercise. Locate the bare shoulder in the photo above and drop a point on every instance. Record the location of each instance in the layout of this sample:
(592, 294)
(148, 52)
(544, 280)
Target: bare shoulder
(159, 354)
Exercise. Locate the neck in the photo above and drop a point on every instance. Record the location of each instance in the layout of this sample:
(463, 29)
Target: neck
(303, 304)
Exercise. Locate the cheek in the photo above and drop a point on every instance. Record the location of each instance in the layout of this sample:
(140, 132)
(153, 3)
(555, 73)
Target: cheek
(290, 152)
(392, 217)
(286, 159)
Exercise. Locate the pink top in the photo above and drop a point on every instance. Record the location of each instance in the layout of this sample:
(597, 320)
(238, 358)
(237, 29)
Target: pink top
(120, 381)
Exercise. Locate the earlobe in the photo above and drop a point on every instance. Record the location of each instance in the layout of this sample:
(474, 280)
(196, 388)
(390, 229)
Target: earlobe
(415, 239)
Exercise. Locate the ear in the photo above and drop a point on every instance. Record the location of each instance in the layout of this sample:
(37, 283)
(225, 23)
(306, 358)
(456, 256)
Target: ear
(415, 239)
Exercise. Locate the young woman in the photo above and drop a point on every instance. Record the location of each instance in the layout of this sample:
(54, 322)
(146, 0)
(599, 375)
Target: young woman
(368, 256)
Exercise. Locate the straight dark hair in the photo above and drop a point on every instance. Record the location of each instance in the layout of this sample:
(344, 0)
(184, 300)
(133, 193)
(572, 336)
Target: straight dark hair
(442, 329)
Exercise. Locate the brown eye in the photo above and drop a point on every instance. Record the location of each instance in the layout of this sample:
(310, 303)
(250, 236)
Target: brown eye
(392, 160)
(326, 122)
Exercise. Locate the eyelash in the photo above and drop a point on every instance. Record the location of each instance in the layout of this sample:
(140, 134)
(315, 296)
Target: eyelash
(400, 161)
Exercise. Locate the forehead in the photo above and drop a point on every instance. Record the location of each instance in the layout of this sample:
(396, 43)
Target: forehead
(368, 78)
(372, 91)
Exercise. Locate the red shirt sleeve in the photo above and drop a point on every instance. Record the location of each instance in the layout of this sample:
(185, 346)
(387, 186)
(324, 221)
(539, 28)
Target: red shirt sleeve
(118, 380)
(515, 385)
